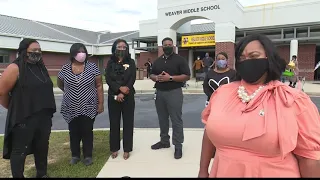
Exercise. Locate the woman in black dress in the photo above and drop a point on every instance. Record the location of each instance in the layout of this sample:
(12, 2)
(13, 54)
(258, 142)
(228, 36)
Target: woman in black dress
(219, 75)
(26, 90)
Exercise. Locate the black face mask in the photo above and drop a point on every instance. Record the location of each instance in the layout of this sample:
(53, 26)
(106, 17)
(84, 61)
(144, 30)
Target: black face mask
(168, 50)
(252, 70)
(121, 53)
(34, 57)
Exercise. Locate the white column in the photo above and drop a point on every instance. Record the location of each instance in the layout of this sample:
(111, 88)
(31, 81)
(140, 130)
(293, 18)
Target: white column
(225, 32)
(190, 61)
(163, 33)
(133, 55)
(293, 48)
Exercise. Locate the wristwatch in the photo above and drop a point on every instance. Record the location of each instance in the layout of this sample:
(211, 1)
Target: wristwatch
(171, 78)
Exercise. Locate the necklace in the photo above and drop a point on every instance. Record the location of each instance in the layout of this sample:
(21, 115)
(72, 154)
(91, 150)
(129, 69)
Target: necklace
(243, 95)
(78, 79)
(45, 79)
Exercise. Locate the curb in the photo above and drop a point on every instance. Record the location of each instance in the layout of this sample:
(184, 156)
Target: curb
(313, 93)
(185, 91)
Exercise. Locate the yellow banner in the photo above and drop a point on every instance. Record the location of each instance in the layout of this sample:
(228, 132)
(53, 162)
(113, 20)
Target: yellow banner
(198, 40)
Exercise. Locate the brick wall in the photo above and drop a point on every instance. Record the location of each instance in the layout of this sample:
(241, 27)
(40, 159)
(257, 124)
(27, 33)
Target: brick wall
(306, 59)
(53, 61)
(227, 47)
(184, 53)
(143, 58)
(284, 52)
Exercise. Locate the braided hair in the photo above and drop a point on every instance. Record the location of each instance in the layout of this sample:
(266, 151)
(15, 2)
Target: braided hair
(21, 60)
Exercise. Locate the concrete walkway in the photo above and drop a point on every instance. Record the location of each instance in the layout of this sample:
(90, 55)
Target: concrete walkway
(145, 162)
(146, 87)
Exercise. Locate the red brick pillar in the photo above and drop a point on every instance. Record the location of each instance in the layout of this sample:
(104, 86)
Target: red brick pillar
(227, 47)
(306, 60)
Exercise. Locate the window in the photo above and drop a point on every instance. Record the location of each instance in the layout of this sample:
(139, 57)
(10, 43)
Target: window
(4, 59)
(288, 33)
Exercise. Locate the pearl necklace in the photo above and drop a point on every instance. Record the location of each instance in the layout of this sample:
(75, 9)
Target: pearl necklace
(243, 95)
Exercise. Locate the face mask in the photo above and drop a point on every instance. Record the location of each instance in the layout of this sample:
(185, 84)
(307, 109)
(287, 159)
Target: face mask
(35, 57)
(168, 50)
(120, 53)
(222, 63)
(81, 57)
(252, 70)
(198, 58)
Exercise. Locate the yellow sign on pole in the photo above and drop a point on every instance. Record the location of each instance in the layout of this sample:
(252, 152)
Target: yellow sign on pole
(198, 40)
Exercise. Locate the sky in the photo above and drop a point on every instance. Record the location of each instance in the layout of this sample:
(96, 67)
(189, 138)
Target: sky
(93, 15)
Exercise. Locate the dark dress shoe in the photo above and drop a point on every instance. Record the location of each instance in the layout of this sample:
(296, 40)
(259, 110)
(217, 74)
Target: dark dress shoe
(87, 161)
(178, 154)
(160, 145)
(74, 160)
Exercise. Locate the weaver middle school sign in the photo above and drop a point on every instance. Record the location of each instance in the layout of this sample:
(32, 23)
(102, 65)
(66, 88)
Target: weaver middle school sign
(198, 40)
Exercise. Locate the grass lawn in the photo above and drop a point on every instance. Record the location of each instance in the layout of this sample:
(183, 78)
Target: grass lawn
(54, 80)
(59, 157)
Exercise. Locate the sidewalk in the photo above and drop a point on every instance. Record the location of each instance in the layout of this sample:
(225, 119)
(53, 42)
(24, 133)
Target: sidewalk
(145, 162)
(146, 87)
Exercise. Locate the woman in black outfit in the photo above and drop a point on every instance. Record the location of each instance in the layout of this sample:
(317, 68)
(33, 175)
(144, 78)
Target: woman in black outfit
(121, 76)
(219, 75)
(26, 90)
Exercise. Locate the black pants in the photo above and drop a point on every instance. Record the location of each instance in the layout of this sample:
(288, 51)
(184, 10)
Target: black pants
(33, 135)
(148, 73)
(292, 85)
(125, 108)
(81, 129)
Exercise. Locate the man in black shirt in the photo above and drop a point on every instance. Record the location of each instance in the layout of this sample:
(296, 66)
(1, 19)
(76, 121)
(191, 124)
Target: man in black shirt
(170, 71)
(149, 67)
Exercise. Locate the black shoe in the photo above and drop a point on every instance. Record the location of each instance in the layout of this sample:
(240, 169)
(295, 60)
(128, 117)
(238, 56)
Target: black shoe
(74, 160)
(178, 153)
(87, 161)
(160, 145)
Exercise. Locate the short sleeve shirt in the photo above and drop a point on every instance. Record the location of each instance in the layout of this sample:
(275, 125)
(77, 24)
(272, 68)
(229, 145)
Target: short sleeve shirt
(80, 93)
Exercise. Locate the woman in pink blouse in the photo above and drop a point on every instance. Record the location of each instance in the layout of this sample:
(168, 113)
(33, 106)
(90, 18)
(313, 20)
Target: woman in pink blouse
(258, 126)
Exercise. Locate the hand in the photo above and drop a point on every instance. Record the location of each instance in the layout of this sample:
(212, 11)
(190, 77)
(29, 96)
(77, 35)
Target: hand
(124, 89)
(164, 77)
(120, 97)
(203, 174)
(100, 108)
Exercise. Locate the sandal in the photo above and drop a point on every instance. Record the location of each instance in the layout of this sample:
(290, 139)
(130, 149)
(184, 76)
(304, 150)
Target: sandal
(114, 155)
(126, 155)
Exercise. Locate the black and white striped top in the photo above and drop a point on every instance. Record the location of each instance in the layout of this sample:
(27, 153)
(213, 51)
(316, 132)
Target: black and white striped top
(80, 95)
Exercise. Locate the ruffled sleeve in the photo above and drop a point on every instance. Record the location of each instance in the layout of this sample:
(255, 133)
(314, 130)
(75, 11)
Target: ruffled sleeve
(308, 140)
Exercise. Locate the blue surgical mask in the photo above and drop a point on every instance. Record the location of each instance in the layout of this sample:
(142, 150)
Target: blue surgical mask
(222, 63)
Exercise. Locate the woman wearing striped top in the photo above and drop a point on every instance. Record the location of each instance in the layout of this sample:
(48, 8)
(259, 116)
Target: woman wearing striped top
(81, 82)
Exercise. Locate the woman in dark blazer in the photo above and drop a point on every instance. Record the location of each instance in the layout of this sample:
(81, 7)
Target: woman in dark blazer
(120, 77)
